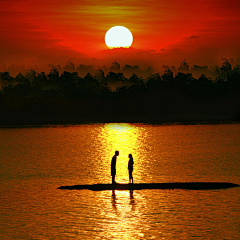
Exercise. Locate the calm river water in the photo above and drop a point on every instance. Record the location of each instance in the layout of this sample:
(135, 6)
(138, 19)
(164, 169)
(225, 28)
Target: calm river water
(34, 162)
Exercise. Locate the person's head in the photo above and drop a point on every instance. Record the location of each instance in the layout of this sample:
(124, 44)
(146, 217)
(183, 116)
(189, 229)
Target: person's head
(116, 153)
(130, 155)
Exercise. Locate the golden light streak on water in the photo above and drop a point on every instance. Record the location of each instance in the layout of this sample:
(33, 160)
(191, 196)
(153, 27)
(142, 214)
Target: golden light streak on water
(124, 138)
(123, 206)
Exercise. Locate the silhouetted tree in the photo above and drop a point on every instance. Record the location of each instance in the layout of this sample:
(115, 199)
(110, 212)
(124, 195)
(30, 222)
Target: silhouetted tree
(215, 71)
(53, 74)
(68, 79)
(168, 75)
(226, 69)
(40, 80)
(83, 70)
(31, 75)
(183, 78)
(114, 77)
(68, 84)
(5, 78)
(154, 82)
(203, 79)
(198, 70)
(91, 84)
(138, 85)
(69, 67)
(67, 92)
(20, 78)
(184, 67)
(115, 67)
(149, 71)
(134, 79)
(99, 75)
(172, 68)
(234, 78)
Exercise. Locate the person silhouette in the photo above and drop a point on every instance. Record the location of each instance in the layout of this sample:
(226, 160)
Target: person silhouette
(113, 166)
(130, 168)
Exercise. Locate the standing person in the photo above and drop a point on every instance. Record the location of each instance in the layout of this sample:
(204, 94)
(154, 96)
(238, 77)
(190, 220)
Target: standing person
(130, 168)
(113, 166)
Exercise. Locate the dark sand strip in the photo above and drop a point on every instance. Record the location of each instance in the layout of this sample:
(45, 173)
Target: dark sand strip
(139, 186)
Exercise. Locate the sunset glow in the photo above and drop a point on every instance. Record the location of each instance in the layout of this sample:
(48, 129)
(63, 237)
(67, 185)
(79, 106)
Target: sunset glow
(52, 32)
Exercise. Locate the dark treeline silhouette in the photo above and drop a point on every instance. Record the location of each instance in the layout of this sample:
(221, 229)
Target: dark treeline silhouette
(103, 95)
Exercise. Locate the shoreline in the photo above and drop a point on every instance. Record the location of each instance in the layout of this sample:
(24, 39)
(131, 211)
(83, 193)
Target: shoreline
(165, 119)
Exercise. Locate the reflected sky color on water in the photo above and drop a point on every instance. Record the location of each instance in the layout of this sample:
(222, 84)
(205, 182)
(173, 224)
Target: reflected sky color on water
(36, 161)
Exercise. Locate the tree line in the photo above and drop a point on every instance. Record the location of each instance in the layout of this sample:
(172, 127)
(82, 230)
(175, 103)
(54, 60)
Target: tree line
(102, 95)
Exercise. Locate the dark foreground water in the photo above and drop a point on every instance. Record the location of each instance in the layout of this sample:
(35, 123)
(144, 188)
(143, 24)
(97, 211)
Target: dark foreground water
(34, 162)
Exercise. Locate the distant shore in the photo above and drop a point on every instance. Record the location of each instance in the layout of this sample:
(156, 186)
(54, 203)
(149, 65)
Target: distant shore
(18, 120)
(66, 98)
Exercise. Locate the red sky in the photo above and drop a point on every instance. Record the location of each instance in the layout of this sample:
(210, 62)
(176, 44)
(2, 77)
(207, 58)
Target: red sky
(164, 31)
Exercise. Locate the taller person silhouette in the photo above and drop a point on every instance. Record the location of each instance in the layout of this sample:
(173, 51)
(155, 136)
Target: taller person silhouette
(113, 166)
(130, 168)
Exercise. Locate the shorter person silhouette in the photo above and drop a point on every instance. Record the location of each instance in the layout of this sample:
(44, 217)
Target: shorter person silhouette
(130, 168)
(113, 166)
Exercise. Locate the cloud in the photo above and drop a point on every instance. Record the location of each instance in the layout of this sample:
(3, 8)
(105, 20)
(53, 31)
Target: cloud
(192, 37)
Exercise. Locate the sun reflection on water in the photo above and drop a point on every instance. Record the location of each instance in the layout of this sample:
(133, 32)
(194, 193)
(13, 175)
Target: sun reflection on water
(123, 214)
(124, 138)
(122, 205)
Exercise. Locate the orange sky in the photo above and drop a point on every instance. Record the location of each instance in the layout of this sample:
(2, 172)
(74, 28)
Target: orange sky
(164, 32)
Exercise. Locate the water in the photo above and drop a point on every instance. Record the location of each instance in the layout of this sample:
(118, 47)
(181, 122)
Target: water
(36, 161)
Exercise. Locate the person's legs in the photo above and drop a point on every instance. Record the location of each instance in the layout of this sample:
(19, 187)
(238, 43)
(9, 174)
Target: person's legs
(130, 177)
(113, 179)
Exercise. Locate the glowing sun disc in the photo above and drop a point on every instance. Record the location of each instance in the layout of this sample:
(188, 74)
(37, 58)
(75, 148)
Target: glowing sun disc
(118, 36)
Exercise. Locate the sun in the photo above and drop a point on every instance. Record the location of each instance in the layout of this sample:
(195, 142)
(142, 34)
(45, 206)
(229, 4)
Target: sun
(118, 36)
